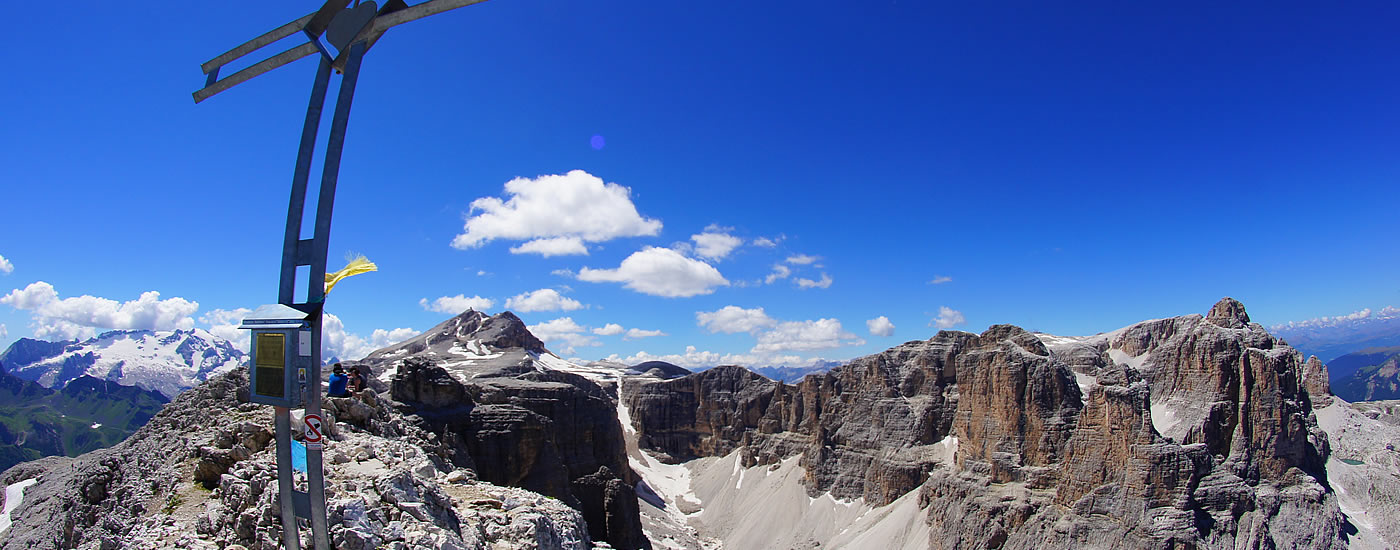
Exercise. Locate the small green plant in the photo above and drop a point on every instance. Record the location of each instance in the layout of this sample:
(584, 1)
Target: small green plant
(173, 503)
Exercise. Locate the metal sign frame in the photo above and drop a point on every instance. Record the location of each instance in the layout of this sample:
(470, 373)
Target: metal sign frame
(353, 31)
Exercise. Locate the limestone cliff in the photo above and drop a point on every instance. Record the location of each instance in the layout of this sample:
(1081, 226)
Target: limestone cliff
(480, 385)
(1196, 431)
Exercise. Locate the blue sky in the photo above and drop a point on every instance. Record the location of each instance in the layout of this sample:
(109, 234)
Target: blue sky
(1066, 168)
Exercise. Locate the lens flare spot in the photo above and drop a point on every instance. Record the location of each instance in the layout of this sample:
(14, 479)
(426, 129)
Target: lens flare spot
(597, 142)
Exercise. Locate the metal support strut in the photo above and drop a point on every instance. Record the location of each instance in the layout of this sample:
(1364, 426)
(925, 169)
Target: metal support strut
(312, 253)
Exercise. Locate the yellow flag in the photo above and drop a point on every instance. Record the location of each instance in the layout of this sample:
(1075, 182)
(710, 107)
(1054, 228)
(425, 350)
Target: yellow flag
(356, 266)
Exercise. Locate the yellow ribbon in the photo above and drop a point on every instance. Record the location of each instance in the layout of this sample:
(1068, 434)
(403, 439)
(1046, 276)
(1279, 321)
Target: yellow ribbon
(359, 265)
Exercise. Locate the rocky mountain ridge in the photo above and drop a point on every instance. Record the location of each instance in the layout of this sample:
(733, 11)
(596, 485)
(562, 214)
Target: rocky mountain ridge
(84, 415)
(474, 400)
(1366, 375)
(168, 362)
(1195, 431)
(1200, 431)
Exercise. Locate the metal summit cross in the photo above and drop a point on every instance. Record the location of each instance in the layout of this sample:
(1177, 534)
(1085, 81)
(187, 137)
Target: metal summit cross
(351, 30)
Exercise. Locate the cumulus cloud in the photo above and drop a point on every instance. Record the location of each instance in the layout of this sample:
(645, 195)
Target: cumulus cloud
(576, 205)
(384, 338)
(880, 326)
(554, 246)
(734, 319)
(802, 259)
(566, 332)
(637, 334)
(339, 343)
(693, 358)
(780, 272)
(5, 266)
(806, 336)
(80, 317)
(456, 304)
(610, 329)
(660, 272)
(224, 324)
(825, 282)
(940, 279)
(1355, 318)
(766, 242)
(544, 299)
(948, 318)
(715, 242)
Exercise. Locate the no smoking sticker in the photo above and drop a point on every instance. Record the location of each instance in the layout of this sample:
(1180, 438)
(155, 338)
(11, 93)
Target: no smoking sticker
(313, 431)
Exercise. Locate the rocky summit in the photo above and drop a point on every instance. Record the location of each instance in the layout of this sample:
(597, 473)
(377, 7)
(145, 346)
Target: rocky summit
(1199, 431)
(471, 442)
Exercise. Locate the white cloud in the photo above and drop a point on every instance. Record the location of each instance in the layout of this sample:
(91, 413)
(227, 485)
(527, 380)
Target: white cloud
(456, 304)
(383, 338)
(1355, 318)
(806, 336)
(563, 273)
(481, 273)
(660, 272)
(5, 266)
(692, 358)
(565, 331)
(224, 324)
(637, 334)
(544, 299)
(825, 282)
(715, 242)
(553, 246)
(610, 329)
(347, 346)
(766, 242)
(802, 259)
(940, 279)
(948, 318)
(880, 326)
(80, 317)
(4, 332)
(733, 319)
(575, 205)
(780, 271)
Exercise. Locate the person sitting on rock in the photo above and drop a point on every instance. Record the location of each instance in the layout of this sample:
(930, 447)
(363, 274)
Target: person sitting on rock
(338, 382)
(357, 381)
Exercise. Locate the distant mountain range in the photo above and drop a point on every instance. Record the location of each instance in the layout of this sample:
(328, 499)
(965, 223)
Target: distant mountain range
(1332, 337)
(1367, 375)
(790, 375)
(86, 414)
(67, 398)
(168, 362)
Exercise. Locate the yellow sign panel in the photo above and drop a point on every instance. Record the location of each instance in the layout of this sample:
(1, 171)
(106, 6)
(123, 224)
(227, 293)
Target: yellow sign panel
(270, 367)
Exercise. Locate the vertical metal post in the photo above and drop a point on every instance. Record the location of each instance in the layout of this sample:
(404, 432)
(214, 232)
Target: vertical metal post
(297, 204)
(291, 540)
(316, 293)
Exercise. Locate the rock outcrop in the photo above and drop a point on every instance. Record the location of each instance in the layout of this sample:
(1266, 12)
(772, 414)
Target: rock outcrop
(501, 454)
(479, 384)
(1195, 431)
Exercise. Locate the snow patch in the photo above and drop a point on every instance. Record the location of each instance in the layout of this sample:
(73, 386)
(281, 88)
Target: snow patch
(14, 495)
(96, 425)
(1086, 382)
(1164, 418)
(1120, 356)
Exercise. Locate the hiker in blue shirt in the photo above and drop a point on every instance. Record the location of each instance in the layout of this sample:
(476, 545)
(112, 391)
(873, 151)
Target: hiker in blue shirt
(337, 382)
